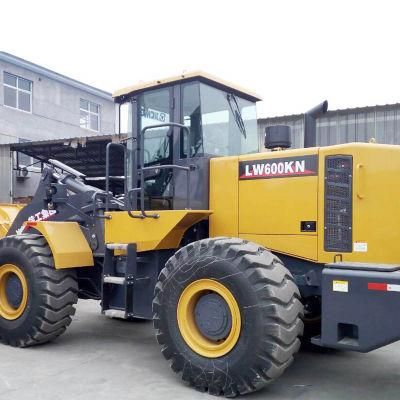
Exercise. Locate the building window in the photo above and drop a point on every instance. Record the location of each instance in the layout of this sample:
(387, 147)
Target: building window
(89, 115)
(17, 92)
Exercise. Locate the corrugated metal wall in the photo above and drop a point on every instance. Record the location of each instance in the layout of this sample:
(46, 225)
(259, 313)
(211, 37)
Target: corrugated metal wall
(5, 174)
(342, 126)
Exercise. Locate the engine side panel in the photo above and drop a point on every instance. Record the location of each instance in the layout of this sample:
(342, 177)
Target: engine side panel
(278, 197)
(265, 198)
(280, 200)
(375, 203)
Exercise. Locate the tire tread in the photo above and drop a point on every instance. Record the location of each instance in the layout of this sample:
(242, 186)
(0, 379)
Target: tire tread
(58, 291)
(279, 304)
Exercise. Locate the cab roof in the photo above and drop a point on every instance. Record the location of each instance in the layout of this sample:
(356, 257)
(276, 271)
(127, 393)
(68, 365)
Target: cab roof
(119, 95)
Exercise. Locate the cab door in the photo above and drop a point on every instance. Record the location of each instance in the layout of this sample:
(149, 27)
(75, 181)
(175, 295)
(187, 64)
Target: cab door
(153, 108)
(188, 149)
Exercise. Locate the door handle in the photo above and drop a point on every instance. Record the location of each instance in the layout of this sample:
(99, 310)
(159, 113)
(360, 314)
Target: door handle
(359, 192)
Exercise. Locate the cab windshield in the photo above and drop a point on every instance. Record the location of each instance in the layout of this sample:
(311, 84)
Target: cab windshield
(221, 124)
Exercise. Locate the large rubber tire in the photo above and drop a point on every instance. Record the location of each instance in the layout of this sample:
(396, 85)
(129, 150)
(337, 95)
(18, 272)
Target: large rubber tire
(51, 293)
(270, 309)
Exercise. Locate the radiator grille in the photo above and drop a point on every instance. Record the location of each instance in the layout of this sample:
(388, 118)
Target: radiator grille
(338, 203)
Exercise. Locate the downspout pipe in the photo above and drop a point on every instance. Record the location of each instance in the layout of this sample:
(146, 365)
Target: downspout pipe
(310, 123)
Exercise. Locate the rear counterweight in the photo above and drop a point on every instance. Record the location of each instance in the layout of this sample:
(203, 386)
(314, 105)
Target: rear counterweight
(360, 306)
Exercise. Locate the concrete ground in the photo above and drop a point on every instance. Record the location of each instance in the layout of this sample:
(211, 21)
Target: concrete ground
(99, 358)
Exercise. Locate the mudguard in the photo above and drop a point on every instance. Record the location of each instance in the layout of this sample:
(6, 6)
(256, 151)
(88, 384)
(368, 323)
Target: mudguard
(68, 244)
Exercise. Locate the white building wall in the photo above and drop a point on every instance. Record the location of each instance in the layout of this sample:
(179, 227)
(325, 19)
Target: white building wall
(55, 110)
(5, 174)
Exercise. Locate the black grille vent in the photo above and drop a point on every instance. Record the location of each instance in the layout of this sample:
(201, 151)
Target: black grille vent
(338, 203)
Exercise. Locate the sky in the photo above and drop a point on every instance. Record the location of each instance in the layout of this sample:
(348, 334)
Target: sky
(294, 54)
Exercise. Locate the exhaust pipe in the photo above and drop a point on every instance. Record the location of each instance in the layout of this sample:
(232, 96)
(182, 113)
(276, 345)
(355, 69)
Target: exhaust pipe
(310, 123)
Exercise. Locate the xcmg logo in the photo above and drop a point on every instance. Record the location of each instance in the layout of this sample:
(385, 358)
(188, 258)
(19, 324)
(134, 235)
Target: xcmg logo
(279, 167)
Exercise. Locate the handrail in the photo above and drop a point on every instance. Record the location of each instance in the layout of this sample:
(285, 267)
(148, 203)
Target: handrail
(94, 200)
(142, 168)
(108, 150)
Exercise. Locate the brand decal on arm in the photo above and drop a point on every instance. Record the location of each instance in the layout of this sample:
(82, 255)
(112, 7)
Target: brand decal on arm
(42, 215)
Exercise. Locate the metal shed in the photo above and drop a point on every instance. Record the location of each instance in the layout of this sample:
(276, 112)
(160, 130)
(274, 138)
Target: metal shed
(86, 154)
(381, 122)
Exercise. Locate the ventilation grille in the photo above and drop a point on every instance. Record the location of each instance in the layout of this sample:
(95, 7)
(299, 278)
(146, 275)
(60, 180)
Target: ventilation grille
(338, 203)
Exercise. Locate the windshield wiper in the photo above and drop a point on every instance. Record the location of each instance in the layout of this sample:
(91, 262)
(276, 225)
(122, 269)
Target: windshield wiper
(232, 101)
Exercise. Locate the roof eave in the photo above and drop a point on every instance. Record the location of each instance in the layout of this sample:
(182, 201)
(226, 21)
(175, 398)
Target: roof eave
(20, 62)
(121, 94)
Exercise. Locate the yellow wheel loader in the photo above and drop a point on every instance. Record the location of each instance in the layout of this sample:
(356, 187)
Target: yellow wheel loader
(231, 252)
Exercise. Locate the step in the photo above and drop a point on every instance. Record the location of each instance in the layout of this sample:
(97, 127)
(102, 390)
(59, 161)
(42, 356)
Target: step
(116, 280)
(112, 313)
(117, 246)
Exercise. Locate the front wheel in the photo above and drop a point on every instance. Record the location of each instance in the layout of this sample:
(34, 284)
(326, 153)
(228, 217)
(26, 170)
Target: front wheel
(36, 300)
(227, 314)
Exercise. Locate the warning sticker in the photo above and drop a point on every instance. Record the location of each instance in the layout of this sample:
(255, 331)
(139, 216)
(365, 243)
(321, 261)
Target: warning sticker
(360, 247)
(341, 286)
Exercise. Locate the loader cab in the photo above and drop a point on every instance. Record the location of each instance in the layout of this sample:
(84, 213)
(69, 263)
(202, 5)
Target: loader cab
(221, 120)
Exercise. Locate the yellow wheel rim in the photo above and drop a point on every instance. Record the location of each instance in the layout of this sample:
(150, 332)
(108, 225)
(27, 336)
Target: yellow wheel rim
(7, 310)
(187, 324)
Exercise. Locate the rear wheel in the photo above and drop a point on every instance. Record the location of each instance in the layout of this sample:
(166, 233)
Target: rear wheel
(36, 301)
(227, 314)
